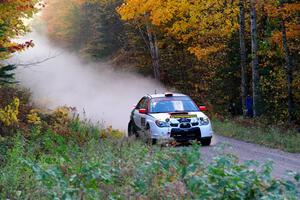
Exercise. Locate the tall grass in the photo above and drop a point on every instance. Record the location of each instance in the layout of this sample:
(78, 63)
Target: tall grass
(285, 139)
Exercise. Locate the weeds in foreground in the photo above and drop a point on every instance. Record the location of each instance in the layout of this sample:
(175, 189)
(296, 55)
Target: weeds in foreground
(56, 155)
(84, 165)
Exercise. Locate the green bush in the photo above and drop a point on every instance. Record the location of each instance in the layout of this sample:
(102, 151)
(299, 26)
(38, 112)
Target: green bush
(48, 165)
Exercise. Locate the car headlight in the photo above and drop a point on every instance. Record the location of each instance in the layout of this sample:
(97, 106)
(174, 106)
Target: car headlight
(203, 121)
(161, 123)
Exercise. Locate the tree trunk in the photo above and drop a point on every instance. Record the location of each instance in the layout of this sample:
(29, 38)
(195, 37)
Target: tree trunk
(154, 53)
(244, 89)
(288, 66)
(254, 49)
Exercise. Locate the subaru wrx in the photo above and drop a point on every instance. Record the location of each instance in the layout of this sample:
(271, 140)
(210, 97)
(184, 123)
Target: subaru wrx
(170, 117)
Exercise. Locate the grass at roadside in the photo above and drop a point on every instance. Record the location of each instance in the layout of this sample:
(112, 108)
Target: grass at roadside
(44, 164)
(287, 140)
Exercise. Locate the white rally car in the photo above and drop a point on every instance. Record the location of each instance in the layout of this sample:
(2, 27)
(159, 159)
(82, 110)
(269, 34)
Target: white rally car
(170, 117)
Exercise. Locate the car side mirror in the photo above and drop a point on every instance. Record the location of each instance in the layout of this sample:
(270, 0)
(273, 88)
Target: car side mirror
(143, 111)
(202, 108)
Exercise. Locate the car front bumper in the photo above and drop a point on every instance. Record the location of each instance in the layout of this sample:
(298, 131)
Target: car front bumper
(181, 134)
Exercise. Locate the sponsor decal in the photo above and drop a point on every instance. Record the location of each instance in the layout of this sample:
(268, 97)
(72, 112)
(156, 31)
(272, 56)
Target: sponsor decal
(183, 116)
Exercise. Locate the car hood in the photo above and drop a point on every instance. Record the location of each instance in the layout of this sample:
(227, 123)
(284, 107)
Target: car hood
(164, 116)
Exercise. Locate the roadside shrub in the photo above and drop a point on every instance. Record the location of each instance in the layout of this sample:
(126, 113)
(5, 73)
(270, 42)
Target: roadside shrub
(14, 106)
(33, 117)
(112, 133)
(8, 93)
(51, 166)
(17, 114)
(8, 115)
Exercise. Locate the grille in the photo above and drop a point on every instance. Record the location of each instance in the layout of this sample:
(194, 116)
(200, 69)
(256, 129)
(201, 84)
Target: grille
(186, 134)
(184, 120)
(185, 125)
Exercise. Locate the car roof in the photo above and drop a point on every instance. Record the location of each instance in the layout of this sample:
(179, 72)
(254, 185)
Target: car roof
(164, 95)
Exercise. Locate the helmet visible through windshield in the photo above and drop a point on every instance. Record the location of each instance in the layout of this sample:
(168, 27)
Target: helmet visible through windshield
(172, 104)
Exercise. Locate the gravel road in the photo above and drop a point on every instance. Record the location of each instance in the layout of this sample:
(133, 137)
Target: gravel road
(283, 161)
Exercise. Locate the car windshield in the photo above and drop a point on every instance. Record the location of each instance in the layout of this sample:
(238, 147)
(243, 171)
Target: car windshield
(172, 104)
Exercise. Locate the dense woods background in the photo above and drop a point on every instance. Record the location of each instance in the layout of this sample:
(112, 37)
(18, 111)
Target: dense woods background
(216, 51)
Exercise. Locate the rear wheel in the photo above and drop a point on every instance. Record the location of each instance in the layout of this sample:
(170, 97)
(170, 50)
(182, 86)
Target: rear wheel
(205, 141)
(131, 129)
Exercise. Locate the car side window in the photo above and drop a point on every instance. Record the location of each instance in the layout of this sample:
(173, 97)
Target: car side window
(146, 103)
(143, 103)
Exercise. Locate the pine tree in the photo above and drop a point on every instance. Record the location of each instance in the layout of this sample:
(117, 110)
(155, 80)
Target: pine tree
(7, 75)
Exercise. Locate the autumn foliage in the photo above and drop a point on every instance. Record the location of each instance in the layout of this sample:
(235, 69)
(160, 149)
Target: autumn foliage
(193, 46)
(13, 13)
(187, 21)
(208, 29)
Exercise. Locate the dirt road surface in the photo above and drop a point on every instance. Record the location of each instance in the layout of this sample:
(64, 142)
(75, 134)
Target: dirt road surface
(283, 161)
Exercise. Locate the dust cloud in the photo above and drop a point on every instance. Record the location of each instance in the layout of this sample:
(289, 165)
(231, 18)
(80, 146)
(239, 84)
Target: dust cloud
(105, 95)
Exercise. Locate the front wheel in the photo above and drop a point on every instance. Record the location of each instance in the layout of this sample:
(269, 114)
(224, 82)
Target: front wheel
(148, 138)
(205, 141)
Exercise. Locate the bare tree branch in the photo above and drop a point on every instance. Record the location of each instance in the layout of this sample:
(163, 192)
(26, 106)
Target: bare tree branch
(35, 63)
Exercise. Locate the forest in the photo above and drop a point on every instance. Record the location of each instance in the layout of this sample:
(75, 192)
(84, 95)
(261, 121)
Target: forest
(219, 52)
(222, 53)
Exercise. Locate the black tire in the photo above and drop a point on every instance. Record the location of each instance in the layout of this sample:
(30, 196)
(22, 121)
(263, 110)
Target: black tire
(205, 141)
(149, 140)
(154, 141)
(131, 130)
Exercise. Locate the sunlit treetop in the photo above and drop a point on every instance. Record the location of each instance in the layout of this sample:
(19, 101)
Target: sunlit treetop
(202, 24)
